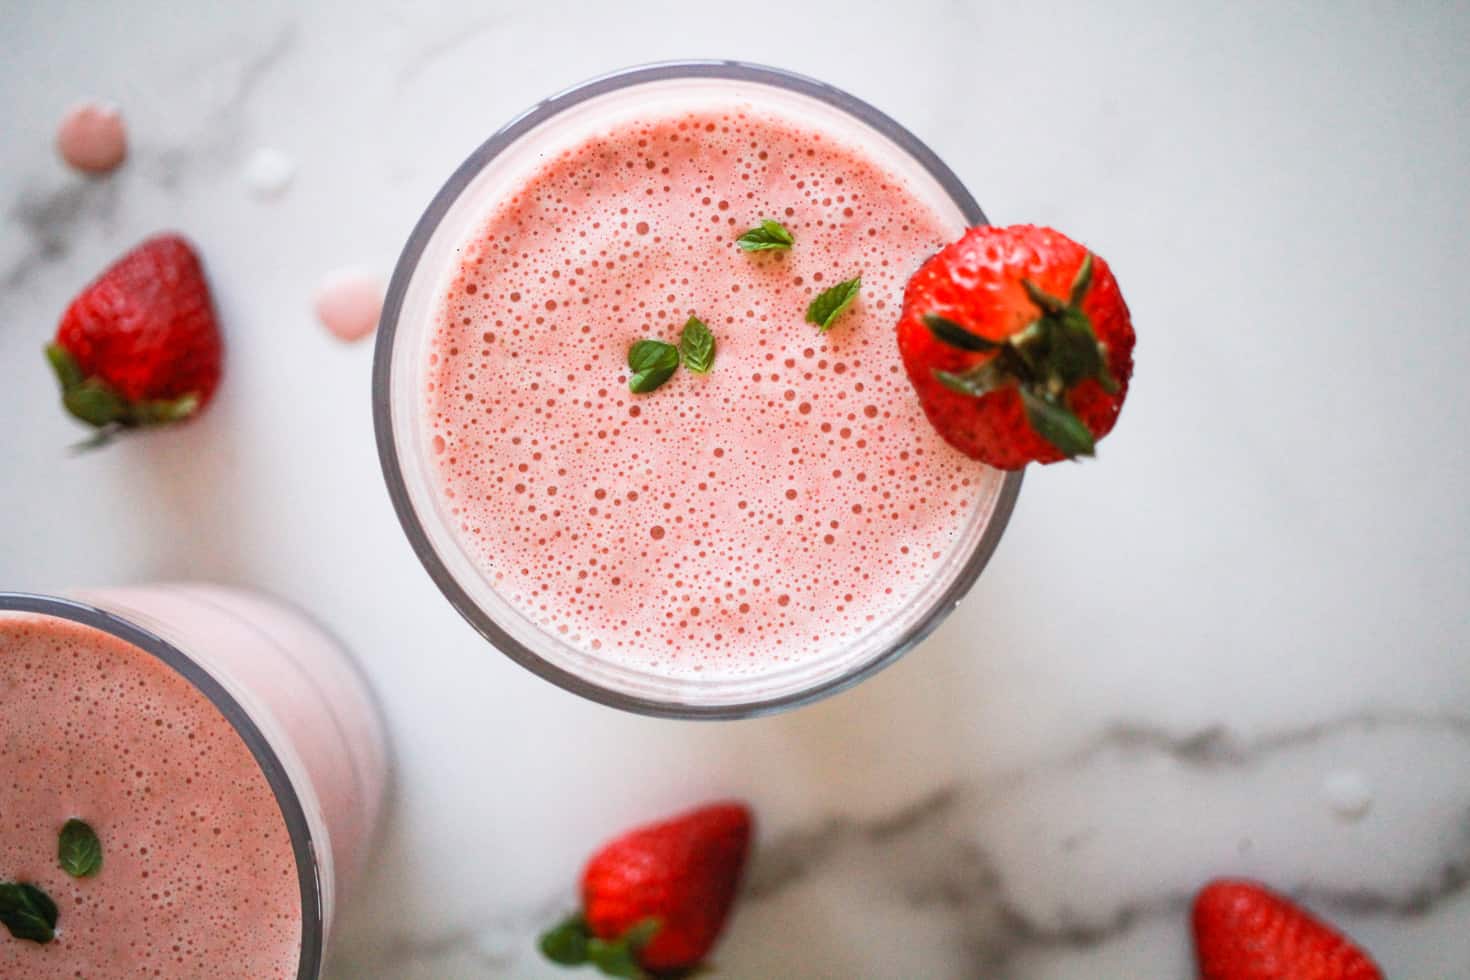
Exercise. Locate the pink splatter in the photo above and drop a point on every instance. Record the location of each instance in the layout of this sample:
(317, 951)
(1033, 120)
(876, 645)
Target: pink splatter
(92, 138)
(348, 303)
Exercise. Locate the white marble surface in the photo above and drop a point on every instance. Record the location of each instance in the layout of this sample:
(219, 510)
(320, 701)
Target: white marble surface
(1193, 657)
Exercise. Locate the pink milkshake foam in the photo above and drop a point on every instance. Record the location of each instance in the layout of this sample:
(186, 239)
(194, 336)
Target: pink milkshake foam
(198, 879)
(728, 523)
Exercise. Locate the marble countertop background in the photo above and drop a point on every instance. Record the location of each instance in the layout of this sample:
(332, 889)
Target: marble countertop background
(1238, 643)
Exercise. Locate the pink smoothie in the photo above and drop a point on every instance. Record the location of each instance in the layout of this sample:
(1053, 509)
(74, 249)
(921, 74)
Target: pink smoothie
(772, 509)
(198, 878)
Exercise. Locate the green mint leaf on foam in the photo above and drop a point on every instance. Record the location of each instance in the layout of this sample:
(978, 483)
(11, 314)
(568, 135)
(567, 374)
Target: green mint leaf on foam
(830, 303)
(27, 912)
(78, 850)
(652, 362)
(765, 236)
(697, 345)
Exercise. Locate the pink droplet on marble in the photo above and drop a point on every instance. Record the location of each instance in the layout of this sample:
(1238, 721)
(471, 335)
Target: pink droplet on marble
(92, 138)
(348, 303)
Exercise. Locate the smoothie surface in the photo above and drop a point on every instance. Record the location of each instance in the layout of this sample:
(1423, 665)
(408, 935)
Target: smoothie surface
(730, 522)
(198, 879)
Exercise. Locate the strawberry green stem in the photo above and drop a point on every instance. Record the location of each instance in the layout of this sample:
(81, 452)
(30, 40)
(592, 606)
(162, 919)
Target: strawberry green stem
(97, 403)
(1044, 361)
(571, 942)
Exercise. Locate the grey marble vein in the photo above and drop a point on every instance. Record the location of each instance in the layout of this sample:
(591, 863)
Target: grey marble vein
(224, 124)
(447, 42)
(50, 215)
(48, 218)
(493, 944)
(929, 854)
(1217, 746)
(1446, 882)
(935, 865)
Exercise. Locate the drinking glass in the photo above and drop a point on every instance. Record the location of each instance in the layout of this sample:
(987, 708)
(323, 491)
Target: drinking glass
(293, 695)
(430, 258)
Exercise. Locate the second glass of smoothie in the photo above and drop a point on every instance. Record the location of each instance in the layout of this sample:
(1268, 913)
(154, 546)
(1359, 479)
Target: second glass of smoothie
(225, 753)
(735, 541)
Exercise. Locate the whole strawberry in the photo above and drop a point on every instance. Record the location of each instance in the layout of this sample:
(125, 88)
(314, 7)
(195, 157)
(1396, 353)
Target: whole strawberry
(140, 345)
(1019, 345)
(1244, 931)
(654, 900)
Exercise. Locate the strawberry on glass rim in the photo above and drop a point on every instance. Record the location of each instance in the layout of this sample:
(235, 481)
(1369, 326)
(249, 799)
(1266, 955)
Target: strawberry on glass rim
(140, 345)
(1019, 345)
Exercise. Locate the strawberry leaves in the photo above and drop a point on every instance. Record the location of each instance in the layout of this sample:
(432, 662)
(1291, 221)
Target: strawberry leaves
(95, 402)
(946, 331)
(1043, 361)
(1058, 425)
(566, 942)
(571, 943)
(981, 379)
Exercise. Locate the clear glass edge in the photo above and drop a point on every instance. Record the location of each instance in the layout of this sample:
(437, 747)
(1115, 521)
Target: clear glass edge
(313, 926)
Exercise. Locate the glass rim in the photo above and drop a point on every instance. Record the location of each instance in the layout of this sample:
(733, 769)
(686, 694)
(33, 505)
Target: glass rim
(303, 847)
(382, 377)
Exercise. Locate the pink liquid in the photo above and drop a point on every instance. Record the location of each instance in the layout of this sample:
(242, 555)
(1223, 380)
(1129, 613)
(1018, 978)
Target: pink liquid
(775, 508)
(198, 878)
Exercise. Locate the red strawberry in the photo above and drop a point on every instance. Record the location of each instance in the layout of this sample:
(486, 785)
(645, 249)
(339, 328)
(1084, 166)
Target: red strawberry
(1019, 345)
(140, 345)
(1244, 931)
(656, 898)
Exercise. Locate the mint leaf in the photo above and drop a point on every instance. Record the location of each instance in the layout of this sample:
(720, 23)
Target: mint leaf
(1058, 425)
(27, 912)
(829, 304)
(946, 331)
(78, 850)
(566, 943)
(767, 235)
(697, 345)
(653, 362)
